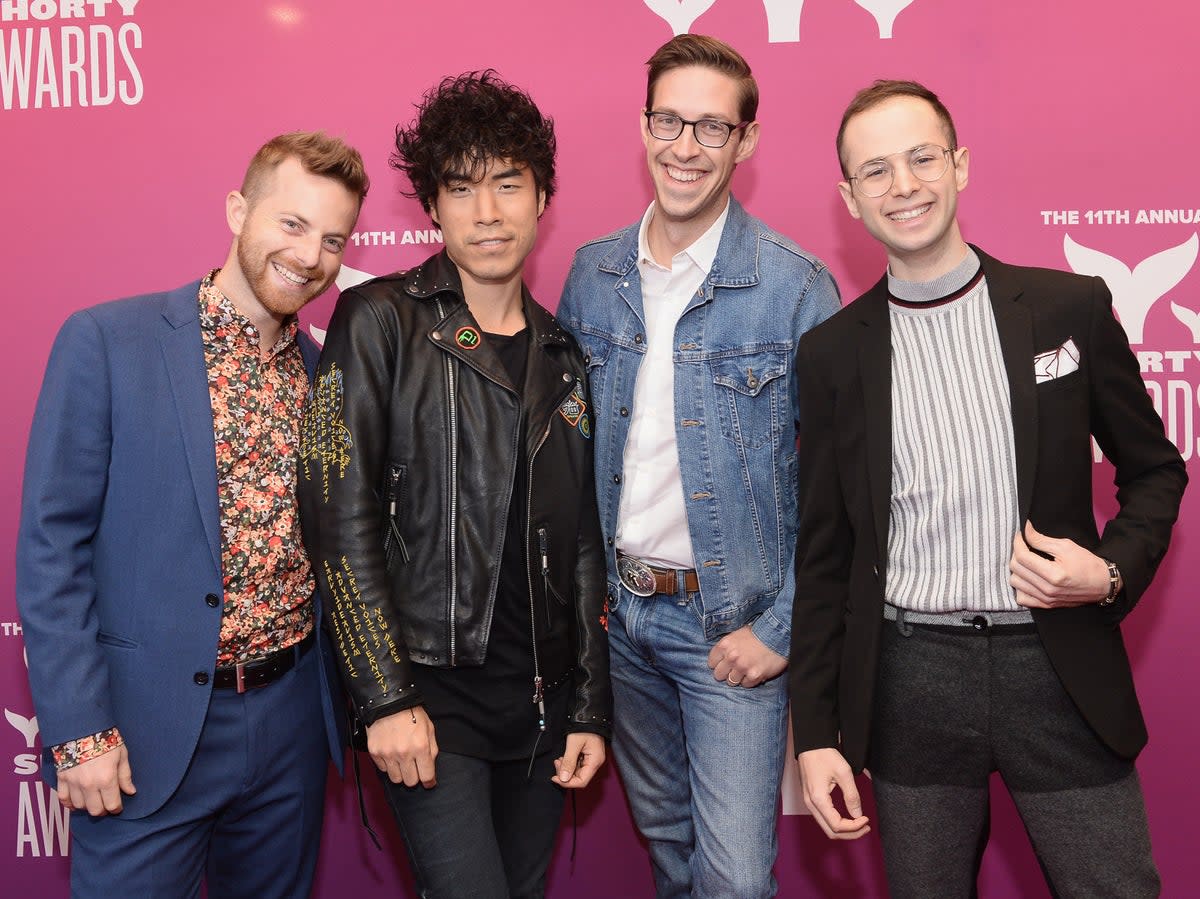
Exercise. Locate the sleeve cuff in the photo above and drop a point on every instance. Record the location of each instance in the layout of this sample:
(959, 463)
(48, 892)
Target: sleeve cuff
(775, 635)
(76, 752)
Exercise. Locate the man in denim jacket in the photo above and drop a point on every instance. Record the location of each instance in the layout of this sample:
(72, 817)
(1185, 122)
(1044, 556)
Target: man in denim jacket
(690, 319)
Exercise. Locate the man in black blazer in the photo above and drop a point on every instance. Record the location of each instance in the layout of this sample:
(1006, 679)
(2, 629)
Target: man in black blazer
(957, 611)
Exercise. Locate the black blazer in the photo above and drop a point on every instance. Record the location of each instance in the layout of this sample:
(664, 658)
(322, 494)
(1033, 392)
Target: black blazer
(845, 467)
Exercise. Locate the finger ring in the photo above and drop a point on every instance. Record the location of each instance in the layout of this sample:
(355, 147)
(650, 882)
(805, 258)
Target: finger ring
(733, 683)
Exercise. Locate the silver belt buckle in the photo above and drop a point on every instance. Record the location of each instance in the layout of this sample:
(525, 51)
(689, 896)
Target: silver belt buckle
(636, 576)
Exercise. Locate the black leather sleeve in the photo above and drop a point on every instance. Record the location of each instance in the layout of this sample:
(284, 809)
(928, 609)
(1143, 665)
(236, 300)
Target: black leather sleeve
(592, 708)
(341, 487)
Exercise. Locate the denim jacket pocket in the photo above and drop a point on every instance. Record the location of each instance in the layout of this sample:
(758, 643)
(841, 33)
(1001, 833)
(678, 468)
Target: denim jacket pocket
(751, 392)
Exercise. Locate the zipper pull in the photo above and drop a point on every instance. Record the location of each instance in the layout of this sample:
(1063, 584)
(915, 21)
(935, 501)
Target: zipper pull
(544, 549)
(538, 698)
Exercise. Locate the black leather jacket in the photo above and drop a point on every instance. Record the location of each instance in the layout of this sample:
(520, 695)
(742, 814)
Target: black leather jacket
(408, 456)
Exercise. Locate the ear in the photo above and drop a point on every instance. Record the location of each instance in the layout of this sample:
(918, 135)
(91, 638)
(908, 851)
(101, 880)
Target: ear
(645, 126)
(748, 144)
(541, 202)
(433, 213)
(846, 189)
(962, 164)
(237, 207)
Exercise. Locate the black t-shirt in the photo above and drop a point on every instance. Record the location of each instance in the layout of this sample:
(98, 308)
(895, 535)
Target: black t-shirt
(488, 711)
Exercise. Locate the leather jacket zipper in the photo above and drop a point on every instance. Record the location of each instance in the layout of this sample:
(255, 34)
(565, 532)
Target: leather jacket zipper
(452, 403)
(392, 538)
(539, 694)
(544, 549)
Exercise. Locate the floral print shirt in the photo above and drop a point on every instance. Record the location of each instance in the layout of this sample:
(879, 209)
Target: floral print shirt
(256, 401)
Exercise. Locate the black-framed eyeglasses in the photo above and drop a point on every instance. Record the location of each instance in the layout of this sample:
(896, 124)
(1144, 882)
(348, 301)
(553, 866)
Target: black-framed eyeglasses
(927, 162)
(711, 133)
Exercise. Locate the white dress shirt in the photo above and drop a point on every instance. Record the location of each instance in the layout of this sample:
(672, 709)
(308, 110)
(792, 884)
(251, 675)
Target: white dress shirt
(652, 521)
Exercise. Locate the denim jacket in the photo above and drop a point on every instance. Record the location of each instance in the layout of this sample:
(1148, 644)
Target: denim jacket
(735, 401)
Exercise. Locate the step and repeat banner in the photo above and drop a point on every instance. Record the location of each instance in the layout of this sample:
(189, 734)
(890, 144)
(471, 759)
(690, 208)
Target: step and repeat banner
(123, 124)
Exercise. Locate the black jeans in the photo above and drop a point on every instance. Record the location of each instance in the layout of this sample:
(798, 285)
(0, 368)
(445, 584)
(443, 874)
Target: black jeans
(486, 831)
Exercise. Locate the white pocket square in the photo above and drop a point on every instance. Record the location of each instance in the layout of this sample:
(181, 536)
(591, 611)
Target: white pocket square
(1055, 363)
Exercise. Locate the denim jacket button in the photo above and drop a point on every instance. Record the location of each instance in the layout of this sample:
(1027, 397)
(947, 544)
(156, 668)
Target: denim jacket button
(624, 412)
(638, 338)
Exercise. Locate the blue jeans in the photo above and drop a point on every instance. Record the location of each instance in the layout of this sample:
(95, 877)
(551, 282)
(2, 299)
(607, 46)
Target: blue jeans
(701, 760)
(485, 831)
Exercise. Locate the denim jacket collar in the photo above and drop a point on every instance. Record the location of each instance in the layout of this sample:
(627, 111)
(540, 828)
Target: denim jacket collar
(736, 263)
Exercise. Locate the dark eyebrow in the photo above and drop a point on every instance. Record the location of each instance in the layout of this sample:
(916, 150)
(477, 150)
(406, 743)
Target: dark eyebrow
(513, 172)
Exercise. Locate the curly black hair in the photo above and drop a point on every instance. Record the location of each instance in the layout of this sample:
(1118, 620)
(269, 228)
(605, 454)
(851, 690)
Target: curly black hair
(464, 124)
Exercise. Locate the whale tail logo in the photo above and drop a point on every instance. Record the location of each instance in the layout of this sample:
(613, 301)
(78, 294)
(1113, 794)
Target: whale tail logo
(885, 12)
(347, 277)
(351, 277)
(1134, 292)
(27, 726)
(680, 14)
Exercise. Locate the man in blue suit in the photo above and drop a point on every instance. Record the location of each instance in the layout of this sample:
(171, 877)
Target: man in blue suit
(168, 606)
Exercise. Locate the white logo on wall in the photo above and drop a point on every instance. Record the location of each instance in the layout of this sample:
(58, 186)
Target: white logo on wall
(783, 16)
(43, 825)
(1135, 292)
(348, 277)
(885, 12)
(56, 55)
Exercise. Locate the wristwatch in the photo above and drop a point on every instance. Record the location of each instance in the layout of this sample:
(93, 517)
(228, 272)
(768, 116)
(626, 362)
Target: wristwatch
(1114, 582)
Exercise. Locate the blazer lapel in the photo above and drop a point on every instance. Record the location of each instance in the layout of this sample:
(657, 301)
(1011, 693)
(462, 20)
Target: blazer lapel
(875, 372)
(1014, 324)
(183, 356)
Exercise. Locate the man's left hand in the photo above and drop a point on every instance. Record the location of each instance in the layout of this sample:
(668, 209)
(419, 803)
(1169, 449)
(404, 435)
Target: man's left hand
(742, 660)
(1073, 576)
(578, 765)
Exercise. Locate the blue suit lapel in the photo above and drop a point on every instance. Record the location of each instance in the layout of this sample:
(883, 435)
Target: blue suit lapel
(183, 356)
(310, 352)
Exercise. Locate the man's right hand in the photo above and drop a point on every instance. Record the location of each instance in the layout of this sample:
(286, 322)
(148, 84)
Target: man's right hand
(820, 771)
(95, 786)
(403, 746)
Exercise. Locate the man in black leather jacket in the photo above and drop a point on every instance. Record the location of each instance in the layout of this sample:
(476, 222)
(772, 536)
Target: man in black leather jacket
(449, 510)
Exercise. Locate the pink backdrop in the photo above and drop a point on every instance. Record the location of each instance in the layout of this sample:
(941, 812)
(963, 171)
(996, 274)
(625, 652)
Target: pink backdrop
(123, 124)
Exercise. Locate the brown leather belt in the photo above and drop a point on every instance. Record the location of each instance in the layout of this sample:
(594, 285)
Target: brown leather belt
(666, 580)
(641, 579)
(265, 670)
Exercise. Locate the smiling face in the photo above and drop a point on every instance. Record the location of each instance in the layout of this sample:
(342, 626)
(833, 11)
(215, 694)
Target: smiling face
(915, 220)
(489, 223)
(691, 181)
(288, 242)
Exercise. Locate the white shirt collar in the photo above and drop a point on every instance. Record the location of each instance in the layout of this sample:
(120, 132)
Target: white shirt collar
(702, 252)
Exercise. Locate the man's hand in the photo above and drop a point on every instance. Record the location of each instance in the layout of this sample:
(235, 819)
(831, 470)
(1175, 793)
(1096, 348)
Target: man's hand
(95, 786)
(742, 660)
(1073, 577)
(578, 765)
(820, 771)
(402, 745)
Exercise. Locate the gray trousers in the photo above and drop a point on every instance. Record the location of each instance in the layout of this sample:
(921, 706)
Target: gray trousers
(953, 705)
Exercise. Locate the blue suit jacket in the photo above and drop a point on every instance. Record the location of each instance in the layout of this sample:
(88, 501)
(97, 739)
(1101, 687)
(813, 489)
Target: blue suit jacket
(119, 541)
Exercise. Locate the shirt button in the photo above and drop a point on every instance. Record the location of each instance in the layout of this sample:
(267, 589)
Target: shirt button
(624, 412)
(213, 600)
(201, 678)
(638, 338)
(566, 376)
